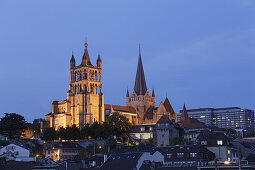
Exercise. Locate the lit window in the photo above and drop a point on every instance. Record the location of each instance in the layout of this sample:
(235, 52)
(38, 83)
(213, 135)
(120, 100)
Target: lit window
(228, 151)
(169, 155)
(219, 142)
(228, 159)
(180, 155)
(193, 155)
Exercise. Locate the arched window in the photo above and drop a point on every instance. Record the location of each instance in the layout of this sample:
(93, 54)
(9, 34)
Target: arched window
(85, 74)
(96, 75)
(99, 76)
(75, 76)
(96, 89)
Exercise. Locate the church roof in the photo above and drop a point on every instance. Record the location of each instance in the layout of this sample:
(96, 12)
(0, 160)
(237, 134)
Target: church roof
(168, 106)
(164, 119)
(120, 108)
(189, 123)
(149, 113)
(140, 83)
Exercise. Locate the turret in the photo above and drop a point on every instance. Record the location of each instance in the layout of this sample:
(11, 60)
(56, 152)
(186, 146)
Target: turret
(127, 93)
(99, 61)
(153, 93)
(72, 61)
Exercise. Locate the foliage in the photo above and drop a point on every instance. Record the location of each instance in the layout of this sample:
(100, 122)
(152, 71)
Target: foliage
(118, 123)
(3, 143)
(49, 134)
(12, 125)
(177, 141)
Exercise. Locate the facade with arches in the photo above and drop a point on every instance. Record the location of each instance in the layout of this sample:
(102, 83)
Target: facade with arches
(85, 100)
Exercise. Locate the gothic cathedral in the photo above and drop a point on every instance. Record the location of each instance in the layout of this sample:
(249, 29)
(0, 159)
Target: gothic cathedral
(85, 100)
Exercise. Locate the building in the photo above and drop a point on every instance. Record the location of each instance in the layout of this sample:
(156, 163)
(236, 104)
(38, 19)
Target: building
(16, 153)
(228, 117)
(131, 160)
(191, 126)
(61, 150)
(219, 144)
(165, 131)
(144, 102)
(128, 112)
(186, 156)
(142, 132)
(85, 99)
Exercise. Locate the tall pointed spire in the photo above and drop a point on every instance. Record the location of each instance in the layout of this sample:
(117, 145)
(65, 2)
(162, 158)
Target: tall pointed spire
(184, 115)
(127, 93)
(85, 58)
(153, 93)
(140, 83)
(72, 61)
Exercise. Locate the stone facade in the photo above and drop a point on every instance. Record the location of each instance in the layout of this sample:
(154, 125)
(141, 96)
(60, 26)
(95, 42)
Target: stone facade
(85, 100)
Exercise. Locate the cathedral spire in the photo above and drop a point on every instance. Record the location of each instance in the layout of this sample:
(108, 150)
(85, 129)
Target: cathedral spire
(140, 83)
(127, 93)
(85, 58)
(153, 93)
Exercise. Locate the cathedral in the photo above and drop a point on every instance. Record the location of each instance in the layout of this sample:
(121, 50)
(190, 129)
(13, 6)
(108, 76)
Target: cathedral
(85, 100)
(144, 102)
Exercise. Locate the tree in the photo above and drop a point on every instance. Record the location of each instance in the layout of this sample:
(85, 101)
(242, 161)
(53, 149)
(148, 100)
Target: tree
(12, 125)
(177, 141)
(49, 134)
(119, 123)
(72, 133)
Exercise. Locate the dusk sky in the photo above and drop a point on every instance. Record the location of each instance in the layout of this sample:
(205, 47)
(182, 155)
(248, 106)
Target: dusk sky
(201, 53)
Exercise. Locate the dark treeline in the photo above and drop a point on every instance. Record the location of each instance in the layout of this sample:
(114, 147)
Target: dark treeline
(115, 125)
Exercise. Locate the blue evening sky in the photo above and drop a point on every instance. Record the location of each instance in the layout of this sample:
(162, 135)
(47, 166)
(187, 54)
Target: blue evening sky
(201, 53)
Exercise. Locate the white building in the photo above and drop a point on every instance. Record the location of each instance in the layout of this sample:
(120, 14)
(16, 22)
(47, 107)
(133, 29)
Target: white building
(16, 153)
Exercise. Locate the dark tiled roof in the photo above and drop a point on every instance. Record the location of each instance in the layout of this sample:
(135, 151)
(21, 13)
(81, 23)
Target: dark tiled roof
(125, 161)
(189, 123)
(120, 108)
(168, 106)
(137, 128)
(49, 114)
(212, 137)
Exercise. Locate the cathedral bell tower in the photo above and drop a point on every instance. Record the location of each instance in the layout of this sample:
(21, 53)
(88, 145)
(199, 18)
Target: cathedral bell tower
(140, 99)
(85, 98)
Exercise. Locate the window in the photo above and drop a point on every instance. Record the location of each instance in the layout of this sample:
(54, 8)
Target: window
(169, 155)
(142, 129)
(193, 155)
(203, 142)
(180, 155)
(219, 142)
(229, 152)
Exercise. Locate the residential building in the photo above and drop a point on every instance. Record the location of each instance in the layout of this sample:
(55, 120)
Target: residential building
(219, 144)
(228, 117)
(85, 99)
(165, 131)
(131, 160)
(142, 132)
(61, 150)
(16, 153)
(191, 126)
(186, 156)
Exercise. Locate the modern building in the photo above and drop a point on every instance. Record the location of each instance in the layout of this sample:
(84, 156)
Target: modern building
(85, 99)
(228, 117)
